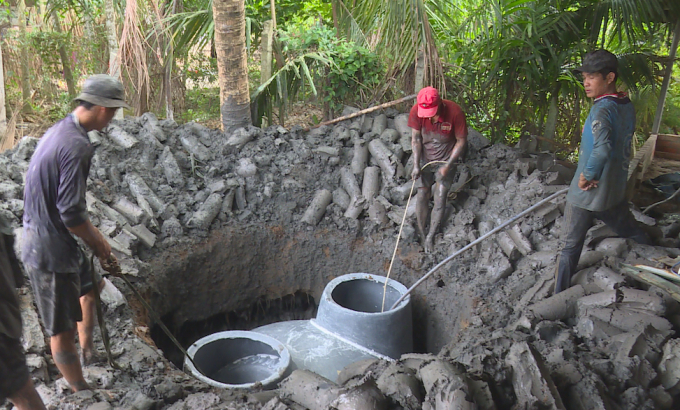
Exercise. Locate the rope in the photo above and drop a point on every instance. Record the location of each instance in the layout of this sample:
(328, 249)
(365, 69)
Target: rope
(158, 320)
(483, 237)
(146, 305)
(401, 227)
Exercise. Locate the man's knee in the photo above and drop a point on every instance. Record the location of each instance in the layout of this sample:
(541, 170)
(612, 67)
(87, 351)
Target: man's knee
(423, 193)
(64, 338)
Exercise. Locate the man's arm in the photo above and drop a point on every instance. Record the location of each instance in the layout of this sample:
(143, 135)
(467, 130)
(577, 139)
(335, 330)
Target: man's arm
(417, 146)
(93, 238)
(71, 203)
(602, 145)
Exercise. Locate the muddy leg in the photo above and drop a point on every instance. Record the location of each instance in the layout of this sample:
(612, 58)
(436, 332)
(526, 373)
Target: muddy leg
(27, 398)
(65, 357)
(440, 191)
(86, 328)
(422, 210)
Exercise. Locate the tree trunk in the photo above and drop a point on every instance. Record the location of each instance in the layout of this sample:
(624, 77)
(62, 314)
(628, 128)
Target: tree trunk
(169, 63)
(551, 122)
(336, 23)
(65, 63)
(25, 74)
(232, 63)
(3, 110)
(420, 70)
(112, 38)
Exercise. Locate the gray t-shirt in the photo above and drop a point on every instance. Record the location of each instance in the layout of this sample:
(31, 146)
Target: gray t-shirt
(54, 197)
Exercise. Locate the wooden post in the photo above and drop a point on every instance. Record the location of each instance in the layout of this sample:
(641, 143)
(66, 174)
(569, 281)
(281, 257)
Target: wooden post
(267, 50)
(3, 110)
(272, 5)
(666, 80)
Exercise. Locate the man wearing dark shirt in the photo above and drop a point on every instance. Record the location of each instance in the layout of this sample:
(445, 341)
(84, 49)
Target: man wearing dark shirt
(15, 381)
(54, 210)
(439, 134)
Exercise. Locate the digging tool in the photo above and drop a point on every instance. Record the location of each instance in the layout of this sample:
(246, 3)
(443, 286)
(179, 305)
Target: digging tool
(112, 267)
(483, 237)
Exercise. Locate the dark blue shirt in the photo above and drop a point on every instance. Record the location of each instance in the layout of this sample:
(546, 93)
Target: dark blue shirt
(54, 197)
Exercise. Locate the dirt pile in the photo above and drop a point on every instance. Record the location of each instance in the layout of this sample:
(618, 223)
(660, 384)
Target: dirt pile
(160, 191)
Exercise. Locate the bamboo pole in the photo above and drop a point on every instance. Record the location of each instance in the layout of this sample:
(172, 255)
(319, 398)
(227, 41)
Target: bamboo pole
(362, 112)
(652, 279)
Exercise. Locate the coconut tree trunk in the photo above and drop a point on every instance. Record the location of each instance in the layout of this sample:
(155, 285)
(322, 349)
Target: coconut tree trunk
(112, 38)
(232, 63)
(65, 64)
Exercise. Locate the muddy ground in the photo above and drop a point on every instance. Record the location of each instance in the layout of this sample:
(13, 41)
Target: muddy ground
(217, 233)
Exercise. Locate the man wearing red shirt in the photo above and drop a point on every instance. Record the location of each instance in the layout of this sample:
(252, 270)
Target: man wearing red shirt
(438, 133)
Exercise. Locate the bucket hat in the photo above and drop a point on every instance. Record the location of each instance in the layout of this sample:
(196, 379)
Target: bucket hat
(103, 90)
(599, 60)
(428, 102)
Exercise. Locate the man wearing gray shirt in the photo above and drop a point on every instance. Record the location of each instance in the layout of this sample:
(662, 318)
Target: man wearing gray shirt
(599, 185)
(54, 211)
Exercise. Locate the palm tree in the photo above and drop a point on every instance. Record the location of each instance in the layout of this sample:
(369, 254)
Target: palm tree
(232, 62)
(513, 59)
(403, 32)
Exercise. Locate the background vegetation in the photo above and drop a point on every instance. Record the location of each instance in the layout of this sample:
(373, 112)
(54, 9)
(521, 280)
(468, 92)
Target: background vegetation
(509, 63)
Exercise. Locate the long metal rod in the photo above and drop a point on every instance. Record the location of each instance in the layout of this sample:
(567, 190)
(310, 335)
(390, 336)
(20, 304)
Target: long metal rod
(483, 237)
(666, 80)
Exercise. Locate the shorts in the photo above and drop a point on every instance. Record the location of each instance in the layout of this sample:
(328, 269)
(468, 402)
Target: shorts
(13, 369)
(57, 295)
(430, 174)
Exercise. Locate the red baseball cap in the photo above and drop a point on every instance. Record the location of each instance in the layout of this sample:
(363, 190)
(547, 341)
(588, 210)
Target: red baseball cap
(428, 102)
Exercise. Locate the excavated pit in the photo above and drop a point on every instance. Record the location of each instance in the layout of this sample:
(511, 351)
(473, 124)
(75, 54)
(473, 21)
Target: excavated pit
(241, 278)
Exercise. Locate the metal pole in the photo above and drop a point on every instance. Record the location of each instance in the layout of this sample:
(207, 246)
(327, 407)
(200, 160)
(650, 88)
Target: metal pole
(488, 234)
(666, 80)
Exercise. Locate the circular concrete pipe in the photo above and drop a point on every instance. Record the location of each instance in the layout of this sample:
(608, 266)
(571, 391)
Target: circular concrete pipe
(350, 308)
(238, 359)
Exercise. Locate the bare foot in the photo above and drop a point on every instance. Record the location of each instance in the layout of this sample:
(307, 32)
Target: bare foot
(429, 244)
(79, 386)
(90, 357)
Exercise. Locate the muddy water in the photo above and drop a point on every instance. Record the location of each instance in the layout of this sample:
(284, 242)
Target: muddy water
(249, 369)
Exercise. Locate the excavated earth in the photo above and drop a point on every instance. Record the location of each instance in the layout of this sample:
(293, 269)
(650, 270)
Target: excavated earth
(236, 231)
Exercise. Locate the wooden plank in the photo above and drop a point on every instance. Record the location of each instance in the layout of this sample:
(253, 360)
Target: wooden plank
(652, 279)
(675, 156)
(668, 145)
